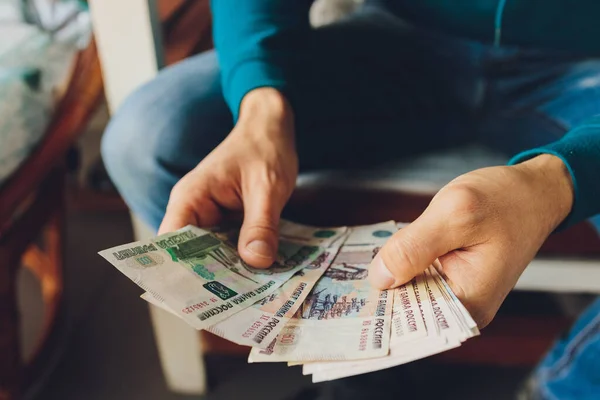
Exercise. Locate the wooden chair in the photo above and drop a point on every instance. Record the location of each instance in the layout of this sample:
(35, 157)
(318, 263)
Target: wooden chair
(32, 201)
(32, 204)
(567, 263)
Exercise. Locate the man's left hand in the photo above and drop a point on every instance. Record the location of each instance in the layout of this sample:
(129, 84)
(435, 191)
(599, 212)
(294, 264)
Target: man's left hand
(484, 227)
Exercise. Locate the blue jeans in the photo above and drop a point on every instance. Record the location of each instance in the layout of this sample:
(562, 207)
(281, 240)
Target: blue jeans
(571, 370)
(368, 89)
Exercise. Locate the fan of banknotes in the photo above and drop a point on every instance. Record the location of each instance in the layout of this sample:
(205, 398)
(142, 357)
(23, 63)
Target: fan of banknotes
(314, 307)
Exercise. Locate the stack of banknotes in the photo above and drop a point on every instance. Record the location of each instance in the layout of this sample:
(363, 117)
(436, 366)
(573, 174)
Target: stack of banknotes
(314, 307)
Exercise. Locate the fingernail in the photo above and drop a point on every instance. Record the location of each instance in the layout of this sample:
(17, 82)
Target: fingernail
(379, 276)
(260, 248)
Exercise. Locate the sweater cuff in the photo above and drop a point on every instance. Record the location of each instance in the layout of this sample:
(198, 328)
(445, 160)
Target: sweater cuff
(247, 76)
(580, 155)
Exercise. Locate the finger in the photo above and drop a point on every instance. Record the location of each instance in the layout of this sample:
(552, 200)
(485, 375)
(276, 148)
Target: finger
(259, 234)
(196, 210)
(412, 250)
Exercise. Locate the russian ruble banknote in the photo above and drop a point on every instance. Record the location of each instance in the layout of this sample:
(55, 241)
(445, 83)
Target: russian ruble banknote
(198, 275)
(442, 324)
(313, 307)
(260, 323)
(344, 317)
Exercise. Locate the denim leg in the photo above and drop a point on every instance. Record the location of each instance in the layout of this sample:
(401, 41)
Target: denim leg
(162, 131)
(533, 99)
(571, 370)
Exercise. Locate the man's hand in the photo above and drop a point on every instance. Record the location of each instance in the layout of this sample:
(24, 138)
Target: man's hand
(484, 228)
(253, 170)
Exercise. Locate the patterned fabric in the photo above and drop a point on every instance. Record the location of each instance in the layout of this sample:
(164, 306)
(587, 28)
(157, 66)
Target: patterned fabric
(24, 107)
(33, 62)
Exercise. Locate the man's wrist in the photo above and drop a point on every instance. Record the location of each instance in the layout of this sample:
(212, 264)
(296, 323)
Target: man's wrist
(554, 185)
(265, 102)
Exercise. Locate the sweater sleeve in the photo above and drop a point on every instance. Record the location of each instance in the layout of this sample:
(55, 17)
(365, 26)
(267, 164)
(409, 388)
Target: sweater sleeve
(580, 151)
(251, 40)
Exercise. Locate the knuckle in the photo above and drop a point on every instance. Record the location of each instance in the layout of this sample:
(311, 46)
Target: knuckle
(466, 197)
(182, 189)
(466, 204)
(179, 186)
(274, 179)
(177, 191)
(187, 193)
(269, 177)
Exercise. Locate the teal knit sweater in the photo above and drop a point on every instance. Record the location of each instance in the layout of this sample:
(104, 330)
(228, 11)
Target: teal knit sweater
(249, 59)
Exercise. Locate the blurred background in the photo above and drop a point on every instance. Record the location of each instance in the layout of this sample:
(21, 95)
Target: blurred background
(71, 327)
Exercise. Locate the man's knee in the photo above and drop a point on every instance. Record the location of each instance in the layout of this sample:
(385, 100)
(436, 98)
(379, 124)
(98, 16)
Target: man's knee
(161, 132)
(129, 142)
(136, 156)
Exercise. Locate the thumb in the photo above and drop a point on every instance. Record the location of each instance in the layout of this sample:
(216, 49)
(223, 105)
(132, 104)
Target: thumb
(411, 251)
(259, 235)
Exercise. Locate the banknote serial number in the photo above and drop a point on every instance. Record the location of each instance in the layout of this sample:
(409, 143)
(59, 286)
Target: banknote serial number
(199, 306)
(364, 335)
(256, 325)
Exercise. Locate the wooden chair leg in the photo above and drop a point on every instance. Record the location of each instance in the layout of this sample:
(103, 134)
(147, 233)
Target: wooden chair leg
(46, 264)
(11, 366)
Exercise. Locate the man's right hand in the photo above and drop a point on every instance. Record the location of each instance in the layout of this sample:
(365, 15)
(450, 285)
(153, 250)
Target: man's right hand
(253, 170)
